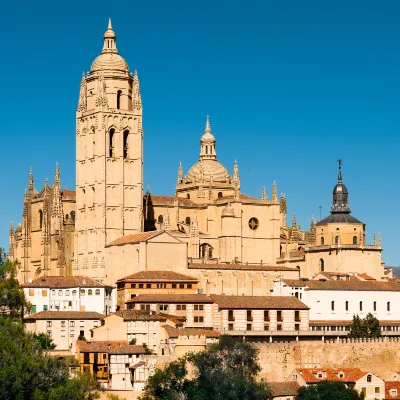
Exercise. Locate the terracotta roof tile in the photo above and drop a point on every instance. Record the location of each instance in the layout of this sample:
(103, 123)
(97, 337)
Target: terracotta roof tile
(170, 200)
(110, 347)
(170, 298)
(284, 388)
(244, 267)
(391, 386)
(65, 315)
(136, 238)
(158, 276)
(68, 194)
(139, 315)
(351, 375)
(63, 282)
(176, 332)
(365, 277)
(345, 285)
(259, 302)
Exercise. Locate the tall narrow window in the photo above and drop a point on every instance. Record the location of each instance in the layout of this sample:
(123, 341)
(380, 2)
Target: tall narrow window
(119, 99)
(126, 133)
(160, 219)
(187, 221)
(40, 219)
(388, 306)
(374, 305)
(206, 149)
(360, 305)
(336, 239)
(111, 144)
(322, 240)
(354, 239)
(347, 306)
(321, 265)
(219, 195)
(332, 305)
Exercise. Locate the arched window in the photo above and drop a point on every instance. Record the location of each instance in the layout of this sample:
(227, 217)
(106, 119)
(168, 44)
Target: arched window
(188, 196)
(388, 306)
(83, 292)
(74, 292)
(160, 219)
(119, 99)
(40, 219)
(321, 265)
(90, 292)
(219, 195)
(361, 306)
(206, 251)
(322, 240)
(369, 378)
(354, 239)
(73, 215)
(187, 221)
(126, 134)
(296, 295)
(336, 239)
(97, 292)
(374, 305)
(111, 143)
(332, 305)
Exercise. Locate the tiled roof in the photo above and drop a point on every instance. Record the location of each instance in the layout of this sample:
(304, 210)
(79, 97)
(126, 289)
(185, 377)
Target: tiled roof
(365, 277)
(242, 196)
(284, 388)
(170, 298)
(136, 238)
(349, 322)
(138, 315)
(259, 302)
(244, 267)
(352, 375)
(176, 332)
(345, 285)
(110, 347)
(170, 200)
(65, 315)
(68, 194)
(158, 276)
(64, 282)
(392, 385)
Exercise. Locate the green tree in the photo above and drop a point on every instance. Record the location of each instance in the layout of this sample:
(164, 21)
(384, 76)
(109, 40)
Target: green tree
(329, 390)
(367, 327)
(227, 370)
(12, 299)
(45, 341)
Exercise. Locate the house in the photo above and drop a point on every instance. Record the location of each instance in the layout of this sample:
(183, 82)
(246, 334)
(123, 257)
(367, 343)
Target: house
(259, 313)
(69, 293)
(284, 390)
(142, 327)
(64, 327)
(111, 362)
(196, 308)
(154, 282)
(364, 382)
(392, 390)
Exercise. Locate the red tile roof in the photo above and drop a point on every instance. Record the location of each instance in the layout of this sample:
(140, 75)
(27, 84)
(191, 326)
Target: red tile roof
(345, 285)
(65, 315)
(170, 200)
(351, 375)
(136, 238)
(284, 388)
(259, 302)
(110, 347)
(139, 315)
(244, 267)
(68, 194)
(170, 298)
(158, 276)
(64, 282)
(176, 332)
(365, 277)
(392, 385)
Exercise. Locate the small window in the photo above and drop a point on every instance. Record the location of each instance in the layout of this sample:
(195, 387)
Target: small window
(322, 240)
(160, 219)
(44, 293)
(369, 378)
(388, 306)
(189, 285)
(219, 195)
(354, 239)
(90, 292)
(97, 292)
(72, 324)
(377, 390)
(48, 324)
(187, 220)
(31, 292)
(45, 307)
(67, 292)
(174, 286)
(83, 292)
(198, 319)
(336, 239)
(332, 305)
(119, 99)
(249, 327)
(347, 306)
(374, 305)
(74, 293)
(361, 306)
(230, 327)
(111, 143)
(279, 315)
(60, 292)
(126, 148)
(266, 316)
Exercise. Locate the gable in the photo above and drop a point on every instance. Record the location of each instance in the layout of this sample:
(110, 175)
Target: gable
(163, 237)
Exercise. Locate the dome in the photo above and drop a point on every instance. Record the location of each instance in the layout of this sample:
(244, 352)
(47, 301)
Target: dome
(211, 168)
(228, 211)
(109, 61)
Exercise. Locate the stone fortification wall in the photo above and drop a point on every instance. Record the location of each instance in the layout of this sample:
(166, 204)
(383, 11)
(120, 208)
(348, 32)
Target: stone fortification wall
(379, 356)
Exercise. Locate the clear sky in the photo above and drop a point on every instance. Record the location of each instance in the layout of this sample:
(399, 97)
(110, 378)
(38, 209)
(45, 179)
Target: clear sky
(290, 86)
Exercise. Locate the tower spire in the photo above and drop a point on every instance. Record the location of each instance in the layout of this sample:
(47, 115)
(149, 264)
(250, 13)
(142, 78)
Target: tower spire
(208, 128)
(136, 97)
(207, 143)
(340, 170)
(274, 196)
(110, 39)
(31, 182)
(82, 105)
(340, 195)
(264, 194)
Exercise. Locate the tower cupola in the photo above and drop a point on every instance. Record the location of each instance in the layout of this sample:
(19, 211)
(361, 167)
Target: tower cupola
(340, 195)
(207, 144)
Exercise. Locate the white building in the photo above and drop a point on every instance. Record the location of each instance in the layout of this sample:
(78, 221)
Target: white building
(70, 293)
(334, 303)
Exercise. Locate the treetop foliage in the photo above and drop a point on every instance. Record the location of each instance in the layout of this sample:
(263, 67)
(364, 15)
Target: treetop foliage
(367, 327)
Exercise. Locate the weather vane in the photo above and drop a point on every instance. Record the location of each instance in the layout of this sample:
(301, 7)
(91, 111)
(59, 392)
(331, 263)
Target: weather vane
(340, 163)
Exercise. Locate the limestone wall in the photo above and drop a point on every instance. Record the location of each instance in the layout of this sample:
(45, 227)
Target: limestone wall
(379, 356)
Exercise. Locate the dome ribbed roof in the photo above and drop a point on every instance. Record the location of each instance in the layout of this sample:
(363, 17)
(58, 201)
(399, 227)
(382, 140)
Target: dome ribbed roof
(211, 168)
(109, 61)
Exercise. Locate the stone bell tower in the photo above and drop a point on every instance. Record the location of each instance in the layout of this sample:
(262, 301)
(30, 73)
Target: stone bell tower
(109, 158)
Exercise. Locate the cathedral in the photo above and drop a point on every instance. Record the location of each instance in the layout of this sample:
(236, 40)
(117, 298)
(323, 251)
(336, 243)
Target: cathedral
(109, 228)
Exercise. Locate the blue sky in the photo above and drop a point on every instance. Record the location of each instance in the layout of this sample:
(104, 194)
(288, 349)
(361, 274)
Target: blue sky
(290, 86)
